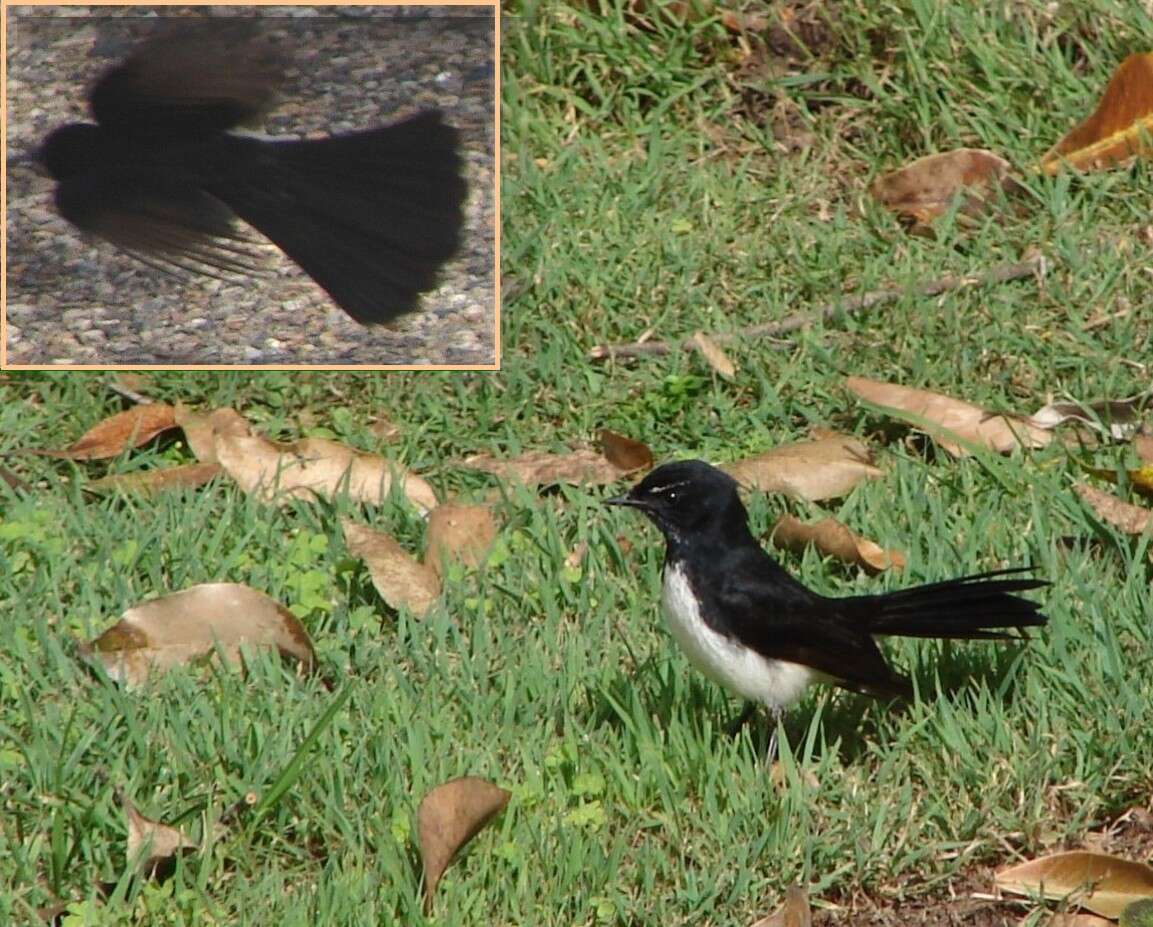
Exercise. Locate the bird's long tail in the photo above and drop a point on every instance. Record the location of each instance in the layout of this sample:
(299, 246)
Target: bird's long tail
(981, 606)
(371, 216)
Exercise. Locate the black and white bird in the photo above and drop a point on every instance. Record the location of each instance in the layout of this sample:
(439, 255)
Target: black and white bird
(751, 627)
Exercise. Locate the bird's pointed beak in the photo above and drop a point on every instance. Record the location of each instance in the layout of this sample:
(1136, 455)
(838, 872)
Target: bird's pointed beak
(625, 500)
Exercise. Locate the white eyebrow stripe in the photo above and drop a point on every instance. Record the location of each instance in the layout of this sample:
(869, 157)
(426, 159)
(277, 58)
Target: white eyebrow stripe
(669, 486)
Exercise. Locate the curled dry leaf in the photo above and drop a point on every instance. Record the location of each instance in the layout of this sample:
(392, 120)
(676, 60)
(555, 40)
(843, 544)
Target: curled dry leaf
(1118, 418)
(201, 428)
(1131, 519)
(826, 468)
(458, 534)
(1120, 128)
(1098, 882)
(118, 433)
(584, 467)
(626, 454)
(196, 623)
(151, 482)
(833, 539)
(315, 467)
(954, 424)
(714, 356)
(795, 912)
(152, 845)
(401, 580)
(925, 189)
(449, 817)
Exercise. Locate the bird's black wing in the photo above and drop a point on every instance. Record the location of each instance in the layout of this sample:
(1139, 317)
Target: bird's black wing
(158, 220)
(775, 615)
(191, 79)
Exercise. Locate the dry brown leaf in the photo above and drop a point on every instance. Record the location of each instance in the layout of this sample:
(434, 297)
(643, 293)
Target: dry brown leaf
(150, 482)
(315, 467)
(12, 481)
(584, 467)
(458, 534)
(925, 189)
(201, 428)
(195, 623)
(714, 356)
(833, 539)
(449, 817)
(954, 424)
(401, 579)
(152, 845)
(795, 912)
(1098, 882)
(826, 468)
(626, 454)
(1143, 445)
(118, 433)
(1131, 519)
(1120, 128)
(1119, 418)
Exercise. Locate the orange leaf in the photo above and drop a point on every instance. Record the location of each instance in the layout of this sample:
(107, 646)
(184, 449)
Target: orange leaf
(1120, 128)
(117, 433)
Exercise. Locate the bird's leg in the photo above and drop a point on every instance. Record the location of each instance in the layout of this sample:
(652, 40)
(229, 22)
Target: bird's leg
(775, 722)
(735, 728)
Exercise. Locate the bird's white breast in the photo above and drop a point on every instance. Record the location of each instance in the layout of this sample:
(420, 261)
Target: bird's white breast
(738, 668)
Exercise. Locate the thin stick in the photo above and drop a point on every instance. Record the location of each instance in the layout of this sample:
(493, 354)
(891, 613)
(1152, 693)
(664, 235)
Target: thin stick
(852, 305)
(128, 393)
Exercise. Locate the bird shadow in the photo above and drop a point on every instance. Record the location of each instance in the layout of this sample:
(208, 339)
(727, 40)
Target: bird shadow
(659, 694)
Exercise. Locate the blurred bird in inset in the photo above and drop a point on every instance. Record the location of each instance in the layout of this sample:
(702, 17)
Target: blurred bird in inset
(371, 216)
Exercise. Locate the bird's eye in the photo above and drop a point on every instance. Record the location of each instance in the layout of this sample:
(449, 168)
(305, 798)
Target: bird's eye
(672, 495)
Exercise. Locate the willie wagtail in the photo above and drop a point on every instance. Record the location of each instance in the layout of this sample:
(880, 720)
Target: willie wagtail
(748, 625)
(371, 216)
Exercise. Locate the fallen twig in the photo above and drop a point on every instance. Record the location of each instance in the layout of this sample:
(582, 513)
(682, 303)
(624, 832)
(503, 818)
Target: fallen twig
(846, 306)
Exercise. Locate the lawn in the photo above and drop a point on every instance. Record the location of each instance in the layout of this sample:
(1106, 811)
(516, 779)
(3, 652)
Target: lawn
(665, 177)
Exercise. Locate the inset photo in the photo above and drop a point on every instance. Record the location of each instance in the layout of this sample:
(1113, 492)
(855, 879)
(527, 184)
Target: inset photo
(235, 186)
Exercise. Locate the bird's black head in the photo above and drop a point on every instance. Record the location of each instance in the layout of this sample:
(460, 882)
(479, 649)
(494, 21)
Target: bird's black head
(688, 498)
(71, 149)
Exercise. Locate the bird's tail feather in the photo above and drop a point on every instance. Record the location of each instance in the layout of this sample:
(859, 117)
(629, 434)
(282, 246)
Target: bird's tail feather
(371, 216)
(971, 607)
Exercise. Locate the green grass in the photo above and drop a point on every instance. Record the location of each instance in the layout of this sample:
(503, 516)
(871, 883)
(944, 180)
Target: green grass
(642, 189)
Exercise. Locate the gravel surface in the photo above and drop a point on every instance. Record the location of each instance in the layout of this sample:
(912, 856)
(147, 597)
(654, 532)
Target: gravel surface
(75, 300)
